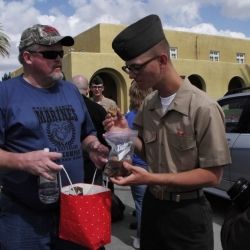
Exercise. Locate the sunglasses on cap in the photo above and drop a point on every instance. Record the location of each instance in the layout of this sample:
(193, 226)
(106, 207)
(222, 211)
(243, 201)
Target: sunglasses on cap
(49, 54)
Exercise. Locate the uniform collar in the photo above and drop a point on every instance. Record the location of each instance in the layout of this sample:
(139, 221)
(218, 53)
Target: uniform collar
(180, 102)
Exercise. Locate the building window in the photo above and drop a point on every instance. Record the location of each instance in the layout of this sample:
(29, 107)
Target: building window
(214, 56)
(173, 53)
(240, 57)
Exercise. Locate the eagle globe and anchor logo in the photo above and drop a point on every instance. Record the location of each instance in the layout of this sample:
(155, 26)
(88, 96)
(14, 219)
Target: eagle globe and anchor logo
(61, 133)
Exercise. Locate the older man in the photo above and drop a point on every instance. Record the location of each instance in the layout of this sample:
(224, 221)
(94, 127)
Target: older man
(39, 110)
(97, 114)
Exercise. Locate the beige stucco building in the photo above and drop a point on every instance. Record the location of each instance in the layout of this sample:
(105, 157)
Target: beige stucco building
(212, 63)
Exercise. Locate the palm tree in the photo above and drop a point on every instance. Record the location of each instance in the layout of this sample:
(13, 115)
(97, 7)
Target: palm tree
(4, 43)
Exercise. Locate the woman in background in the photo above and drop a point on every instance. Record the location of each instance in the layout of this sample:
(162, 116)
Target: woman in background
(136, 98)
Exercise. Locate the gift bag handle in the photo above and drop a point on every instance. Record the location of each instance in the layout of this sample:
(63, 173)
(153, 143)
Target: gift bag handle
(70, 182)
(92, 184)
(93, 180)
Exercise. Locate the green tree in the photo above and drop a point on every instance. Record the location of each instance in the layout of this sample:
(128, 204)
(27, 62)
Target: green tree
(4, 43)
(6, 76)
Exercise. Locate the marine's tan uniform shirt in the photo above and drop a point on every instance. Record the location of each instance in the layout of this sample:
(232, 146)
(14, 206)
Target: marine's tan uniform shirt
(106, 103)
(191, 134)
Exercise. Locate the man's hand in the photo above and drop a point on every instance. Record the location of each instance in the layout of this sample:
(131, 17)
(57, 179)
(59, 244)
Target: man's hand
(98, 153)
(115, 123)
(41, 163)
(138, 176)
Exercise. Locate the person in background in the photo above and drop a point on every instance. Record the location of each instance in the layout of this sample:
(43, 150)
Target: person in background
(97, 114)
(82, 84)
(97, 88)
(40, 110)
(137, 96)
(182, 138)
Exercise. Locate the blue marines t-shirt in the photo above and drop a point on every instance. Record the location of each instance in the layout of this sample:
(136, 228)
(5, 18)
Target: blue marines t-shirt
(35, 118)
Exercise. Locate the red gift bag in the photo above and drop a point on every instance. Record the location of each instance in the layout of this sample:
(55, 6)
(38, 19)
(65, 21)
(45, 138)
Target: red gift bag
(85, 216)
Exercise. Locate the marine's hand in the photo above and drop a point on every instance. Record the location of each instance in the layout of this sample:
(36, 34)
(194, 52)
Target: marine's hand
(138, 176)
(118, 122)
(40, 163)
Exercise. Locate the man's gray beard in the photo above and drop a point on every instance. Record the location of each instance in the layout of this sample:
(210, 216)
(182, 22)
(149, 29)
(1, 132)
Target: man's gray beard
(57, 76)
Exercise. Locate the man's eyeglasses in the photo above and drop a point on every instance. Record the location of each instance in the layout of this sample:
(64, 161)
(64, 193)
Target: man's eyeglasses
(50, 54)
(97, 86)
(135, 68)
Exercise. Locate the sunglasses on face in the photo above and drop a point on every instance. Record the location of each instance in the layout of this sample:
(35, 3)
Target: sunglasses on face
(50, 54)
(135, 68)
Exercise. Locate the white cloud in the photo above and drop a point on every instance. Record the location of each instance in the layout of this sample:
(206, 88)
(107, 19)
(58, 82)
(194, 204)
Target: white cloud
(239, 9)
(175, 14)
(207, 28)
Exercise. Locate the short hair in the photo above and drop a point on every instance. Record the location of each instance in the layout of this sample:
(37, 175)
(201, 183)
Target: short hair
(97, 80)
(137, 95)
(33, 47)
(161, 47)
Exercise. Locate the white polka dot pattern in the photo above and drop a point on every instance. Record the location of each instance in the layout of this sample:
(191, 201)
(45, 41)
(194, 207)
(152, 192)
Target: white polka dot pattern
(86, 219)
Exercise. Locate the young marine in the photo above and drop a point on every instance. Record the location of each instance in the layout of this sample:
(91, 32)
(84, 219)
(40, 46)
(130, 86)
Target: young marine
(182, 138)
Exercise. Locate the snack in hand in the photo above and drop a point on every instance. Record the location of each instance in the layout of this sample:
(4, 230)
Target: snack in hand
(122, 149)
(114, 167)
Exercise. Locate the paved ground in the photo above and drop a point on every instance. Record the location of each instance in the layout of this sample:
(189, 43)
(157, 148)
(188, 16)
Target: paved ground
(122, 235)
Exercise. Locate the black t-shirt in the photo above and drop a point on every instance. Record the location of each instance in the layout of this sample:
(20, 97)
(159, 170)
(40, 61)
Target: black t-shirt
(97, 114)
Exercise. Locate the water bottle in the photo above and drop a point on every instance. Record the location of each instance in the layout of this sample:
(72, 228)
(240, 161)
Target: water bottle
(48, 190)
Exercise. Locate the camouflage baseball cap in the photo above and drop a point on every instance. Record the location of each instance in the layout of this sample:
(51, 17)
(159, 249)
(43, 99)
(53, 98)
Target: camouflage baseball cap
(43, 35)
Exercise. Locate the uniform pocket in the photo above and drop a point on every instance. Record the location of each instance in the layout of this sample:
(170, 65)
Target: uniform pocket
(149, 136)
(181, 142)
(150, 141)
(183, 151)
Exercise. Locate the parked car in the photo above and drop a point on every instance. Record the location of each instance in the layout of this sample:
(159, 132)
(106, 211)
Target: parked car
(236, 106)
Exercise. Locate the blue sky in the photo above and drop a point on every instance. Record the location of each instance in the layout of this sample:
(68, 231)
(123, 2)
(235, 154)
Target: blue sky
(62, 5)
(212, 14)
(217, 17)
